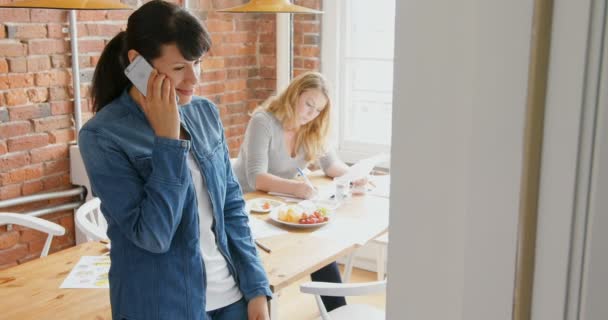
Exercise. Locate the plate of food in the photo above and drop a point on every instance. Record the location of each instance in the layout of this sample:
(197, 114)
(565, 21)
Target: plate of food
(301, 217)
(262, 205)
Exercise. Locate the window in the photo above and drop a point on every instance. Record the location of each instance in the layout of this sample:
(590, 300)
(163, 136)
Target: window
(357, 58)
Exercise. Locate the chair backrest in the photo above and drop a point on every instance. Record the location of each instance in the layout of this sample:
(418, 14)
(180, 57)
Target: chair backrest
(51, 228)
(90, 220)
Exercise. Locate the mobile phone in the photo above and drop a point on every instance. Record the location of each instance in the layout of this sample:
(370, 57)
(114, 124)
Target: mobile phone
(139, 72)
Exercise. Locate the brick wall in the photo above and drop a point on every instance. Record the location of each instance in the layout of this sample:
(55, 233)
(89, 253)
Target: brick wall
(36, 111)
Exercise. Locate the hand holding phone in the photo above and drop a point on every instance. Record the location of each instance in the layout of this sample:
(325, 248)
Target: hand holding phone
(160, 100)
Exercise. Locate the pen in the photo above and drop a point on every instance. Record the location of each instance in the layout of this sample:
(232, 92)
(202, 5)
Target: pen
(263, 247)
(305, 178)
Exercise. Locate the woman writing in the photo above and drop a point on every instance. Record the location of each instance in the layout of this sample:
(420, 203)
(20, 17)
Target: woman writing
(287, 133)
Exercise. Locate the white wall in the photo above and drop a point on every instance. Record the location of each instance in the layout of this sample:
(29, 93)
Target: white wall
(460, 86)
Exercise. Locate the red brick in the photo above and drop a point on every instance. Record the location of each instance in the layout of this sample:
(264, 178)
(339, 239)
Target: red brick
(60, 61)
(269, 37)
(13, 254)
(265, 26)
(306, 27)
(10, 192)
(61, 136)
(94, 60)
(15, 15)
(14, 129)
(12, 49)
(59, 93)
(307, 51)
(118, 15)
(14, 160)
(212, 76)
(8, 239)
(17, 64)
(239, 37)
(27, 142)
(3, 65)
(85, 46)
(30, 235)
(245, 25)
(62, 107)
(31, 187)
(91, 15)
(37, 95)
(20, 80)
(58, 166)
(269, 61)
(216, 25)
(55, 31)
(106, 30)
(38, 63)
(239, 62)
(15, 97)
(29, 112)
(27, 31)
(21, 174)
(48, 46)
(52, 123)
(45, 15)
(235, 85)
(48, 153)
(214, 88)
(212, 63)
(53, 78)
(4, 82)
(56, 181)
(3, 147)
(267, 48)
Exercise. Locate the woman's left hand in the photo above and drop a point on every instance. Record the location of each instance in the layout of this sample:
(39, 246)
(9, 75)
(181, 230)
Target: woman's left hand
(257, 308)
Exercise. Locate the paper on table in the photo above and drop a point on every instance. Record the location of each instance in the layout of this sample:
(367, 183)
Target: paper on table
(262, 229)
(285, 197)
(324, 192)
(363, 167)
(342, 228)
(91, 272)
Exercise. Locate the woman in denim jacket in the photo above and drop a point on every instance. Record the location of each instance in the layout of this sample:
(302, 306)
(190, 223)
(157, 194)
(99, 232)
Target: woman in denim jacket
(181, 245)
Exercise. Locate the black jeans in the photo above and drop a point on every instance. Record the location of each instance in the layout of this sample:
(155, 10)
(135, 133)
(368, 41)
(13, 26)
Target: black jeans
(329, 273)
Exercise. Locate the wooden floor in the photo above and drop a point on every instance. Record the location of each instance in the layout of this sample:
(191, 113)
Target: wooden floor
(294, 305)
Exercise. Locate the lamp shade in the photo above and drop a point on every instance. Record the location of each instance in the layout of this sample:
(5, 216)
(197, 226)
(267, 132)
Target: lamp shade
(269, 6)
(69, 4)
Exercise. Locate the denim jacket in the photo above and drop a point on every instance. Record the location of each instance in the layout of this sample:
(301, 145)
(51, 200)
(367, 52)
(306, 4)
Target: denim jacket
(148, 198)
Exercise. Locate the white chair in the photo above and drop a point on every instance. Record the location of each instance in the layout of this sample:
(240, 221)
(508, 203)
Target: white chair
(51, 228)
(91, 222)
(382, 243)
(349, 311)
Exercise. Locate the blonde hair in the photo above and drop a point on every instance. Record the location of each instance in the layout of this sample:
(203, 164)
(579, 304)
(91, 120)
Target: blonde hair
(313, 135)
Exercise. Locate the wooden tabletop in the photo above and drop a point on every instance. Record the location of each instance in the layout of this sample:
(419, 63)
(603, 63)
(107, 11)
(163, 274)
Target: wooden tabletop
(31, 290)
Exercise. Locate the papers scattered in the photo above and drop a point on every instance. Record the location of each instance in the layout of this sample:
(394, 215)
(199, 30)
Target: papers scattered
(91, 272)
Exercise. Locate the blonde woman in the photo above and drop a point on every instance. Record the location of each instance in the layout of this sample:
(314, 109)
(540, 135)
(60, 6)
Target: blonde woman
(286, 133)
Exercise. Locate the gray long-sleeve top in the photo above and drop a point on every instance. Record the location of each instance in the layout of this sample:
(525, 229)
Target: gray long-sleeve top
(264, 151)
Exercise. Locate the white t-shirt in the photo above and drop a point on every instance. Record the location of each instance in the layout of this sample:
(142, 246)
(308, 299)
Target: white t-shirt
(221, 287)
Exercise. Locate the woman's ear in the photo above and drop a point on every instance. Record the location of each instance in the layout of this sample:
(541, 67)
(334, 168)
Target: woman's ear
(132, 54)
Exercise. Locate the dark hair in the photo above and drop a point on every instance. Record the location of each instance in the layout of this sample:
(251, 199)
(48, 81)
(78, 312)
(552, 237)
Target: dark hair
(154, 24)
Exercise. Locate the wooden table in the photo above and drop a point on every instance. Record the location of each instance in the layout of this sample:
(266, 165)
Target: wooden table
(31, 290)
